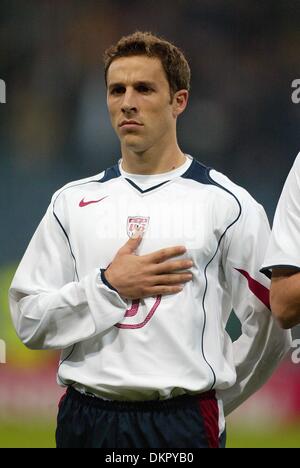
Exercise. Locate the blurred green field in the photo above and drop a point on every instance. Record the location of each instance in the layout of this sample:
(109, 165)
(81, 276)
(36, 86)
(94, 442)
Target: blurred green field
(42, 435)
(27, 435)
(280, 437)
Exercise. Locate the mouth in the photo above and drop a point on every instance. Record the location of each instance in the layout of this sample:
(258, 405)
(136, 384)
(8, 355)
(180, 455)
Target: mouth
(130, 124)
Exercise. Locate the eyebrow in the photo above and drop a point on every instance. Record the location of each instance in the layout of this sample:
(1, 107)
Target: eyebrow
(151, 84)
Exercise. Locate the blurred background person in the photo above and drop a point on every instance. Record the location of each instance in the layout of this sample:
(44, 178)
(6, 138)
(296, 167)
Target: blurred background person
(283, 254)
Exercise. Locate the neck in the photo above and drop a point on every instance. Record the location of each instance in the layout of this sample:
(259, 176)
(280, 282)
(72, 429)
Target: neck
(152, 162)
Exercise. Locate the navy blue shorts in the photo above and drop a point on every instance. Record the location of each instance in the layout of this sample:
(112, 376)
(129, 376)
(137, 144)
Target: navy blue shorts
(189, 421)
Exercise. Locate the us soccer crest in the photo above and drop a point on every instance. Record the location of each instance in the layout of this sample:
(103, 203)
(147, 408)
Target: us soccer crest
(137, 222)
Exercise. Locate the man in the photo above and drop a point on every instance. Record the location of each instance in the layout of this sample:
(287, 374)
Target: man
(142, 322)
(283, 254)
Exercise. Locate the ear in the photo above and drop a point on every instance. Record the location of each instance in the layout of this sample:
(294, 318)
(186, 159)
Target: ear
(180, 101)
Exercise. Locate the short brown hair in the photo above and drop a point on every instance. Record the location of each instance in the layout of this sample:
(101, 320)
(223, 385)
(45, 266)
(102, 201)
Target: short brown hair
(174, 63)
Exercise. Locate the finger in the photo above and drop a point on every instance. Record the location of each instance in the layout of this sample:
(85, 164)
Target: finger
(165, 254)
(170, 267)
(164, 290)
(172, 279)
(132, 244)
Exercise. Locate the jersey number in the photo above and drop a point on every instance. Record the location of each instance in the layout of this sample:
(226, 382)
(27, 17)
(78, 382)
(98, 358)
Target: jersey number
(134, 310)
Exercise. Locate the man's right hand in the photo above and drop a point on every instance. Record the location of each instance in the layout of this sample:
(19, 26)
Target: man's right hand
(136, 277)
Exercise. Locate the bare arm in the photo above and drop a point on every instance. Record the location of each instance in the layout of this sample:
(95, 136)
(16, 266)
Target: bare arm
(285, 296)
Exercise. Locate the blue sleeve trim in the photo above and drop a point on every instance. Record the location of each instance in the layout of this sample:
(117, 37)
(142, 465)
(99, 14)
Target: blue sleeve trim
(268, 269)
(104, 280)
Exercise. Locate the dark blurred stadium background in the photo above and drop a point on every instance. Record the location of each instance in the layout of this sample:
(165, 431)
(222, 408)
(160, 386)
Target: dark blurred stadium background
(54, 128)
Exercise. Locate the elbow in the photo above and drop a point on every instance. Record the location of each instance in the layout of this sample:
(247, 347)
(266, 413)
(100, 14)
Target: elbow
(287, 315)
(29, 341)
(285, 322)
(25, 327)
(28, 335)
(33, 346)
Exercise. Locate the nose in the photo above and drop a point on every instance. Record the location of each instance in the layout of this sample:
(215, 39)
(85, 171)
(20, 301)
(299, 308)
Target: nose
(129, 104)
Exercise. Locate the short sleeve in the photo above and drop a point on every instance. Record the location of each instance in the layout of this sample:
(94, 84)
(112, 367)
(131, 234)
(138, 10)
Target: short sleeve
(284, 244)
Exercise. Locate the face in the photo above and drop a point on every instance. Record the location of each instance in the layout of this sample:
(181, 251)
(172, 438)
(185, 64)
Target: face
(139, 103)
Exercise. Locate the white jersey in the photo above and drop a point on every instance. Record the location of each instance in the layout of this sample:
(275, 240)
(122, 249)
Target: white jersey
(163, 346)
(284, 246)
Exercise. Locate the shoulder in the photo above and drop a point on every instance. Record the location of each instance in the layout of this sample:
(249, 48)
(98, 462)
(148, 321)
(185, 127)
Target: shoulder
(293, 179)
(241, 195)
(73, 185)
(88, 183)
(250, 215)
(289, 201)
(296, 165)
(221, 187)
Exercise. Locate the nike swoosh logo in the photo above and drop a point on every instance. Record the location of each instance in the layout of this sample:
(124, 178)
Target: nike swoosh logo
(261, 292)
(86, 203)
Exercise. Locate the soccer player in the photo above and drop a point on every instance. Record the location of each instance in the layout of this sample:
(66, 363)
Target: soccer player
(133, 274)
(283, 254)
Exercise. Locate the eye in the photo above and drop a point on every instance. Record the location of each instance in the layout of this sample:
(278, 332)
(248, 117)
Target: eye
(117, 90)
(144, 89)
